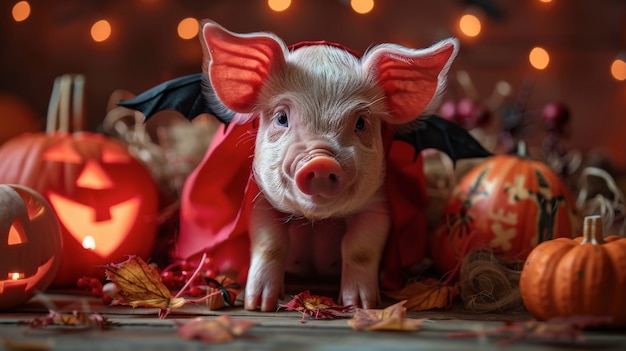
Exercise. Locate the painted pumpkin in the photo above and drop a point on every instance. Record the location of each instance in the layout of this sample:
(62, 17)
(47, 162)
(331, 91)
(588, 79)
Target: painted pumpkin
(105, 200)
(585, 276)
(507, 204)
(30, 244)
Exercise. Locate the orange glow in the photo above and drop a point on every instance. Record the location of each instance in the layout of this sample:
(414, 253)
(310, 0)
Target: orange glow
(21, 11)
(103, 237)
(15, 276)
(88, 243)
(362, 6)
(545, 1)
(101, 31)
(279, 5)
(16, 233)
(62, 153)
(110, 155)
(470, 25)
(94, 177)
(188, 28)
(539, 58)
(618, 69)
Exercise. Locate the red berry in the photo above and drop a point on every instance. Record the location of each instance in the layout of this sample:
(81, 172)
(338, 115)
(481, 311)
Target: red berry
(95, 283)
(107, 299)
(82, 282)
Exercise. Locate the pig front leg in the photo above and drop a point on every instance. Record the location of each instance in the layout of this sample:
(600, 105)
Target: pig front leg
(269, 243)
(361, 252)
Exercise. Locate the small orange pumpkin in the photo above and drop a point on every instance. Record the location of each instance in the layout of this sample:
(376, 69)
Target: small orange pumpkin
(585, 276)
(30, 244)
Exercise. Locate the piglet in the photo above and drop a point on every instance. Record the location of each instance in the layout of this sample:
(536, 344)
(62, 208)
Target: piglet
(323, 116)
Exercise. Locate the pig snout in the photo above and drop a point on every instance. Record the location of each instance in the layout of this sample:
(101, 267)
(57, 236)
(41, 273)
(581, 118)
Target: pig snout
(320, 175)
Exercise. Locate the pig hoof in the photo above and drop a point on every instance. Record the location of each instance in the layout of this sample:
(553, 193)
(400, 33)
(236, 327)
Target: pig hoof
(252, 303)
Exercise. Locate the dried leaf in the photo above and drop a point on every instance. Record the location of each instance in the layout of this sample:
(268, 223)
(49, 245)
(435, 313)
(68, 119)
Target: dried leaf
(214, 330)
(318, 307)
(227, 289)
(558, 329)
(74, 319)
(427, 294)
(390, 318)
(138, 284)
(30, 344)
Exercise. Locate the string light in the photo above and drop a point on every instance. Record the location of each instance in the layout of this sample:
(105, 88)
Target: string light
(279, 5)
(101, 31)
(539, 58)
(470, 25)
(362, 6)
(21, 11)
(188, 28)
(618, 69)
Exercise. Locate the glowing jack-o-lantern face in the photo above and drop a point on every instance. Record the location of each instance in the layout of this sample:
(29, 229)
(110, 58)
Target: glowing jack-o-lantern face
(30, 244)
(93, 226)
(105, 200)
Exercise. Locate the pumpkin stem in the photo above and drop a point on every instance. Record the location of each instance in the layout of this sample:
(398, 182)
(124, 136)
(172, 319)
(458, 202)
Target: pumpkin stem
(593, 231)
(67, 89)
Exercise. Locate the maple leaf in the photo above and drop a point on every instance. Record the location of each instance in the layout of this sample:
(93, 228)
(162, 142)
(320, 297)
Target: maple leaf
(138, 284)
(390, 318)
(318, 307)
(214, 330)
(74, 319)
(426, 294)
(569, 328)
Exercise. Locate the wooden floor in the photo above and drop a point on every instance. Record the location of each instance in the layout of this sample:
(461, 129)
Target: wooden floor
(140, 329)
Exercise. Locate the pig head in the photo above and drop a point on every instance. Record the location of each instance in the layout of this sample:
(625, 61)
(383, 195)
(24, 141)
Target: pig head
(321, 119)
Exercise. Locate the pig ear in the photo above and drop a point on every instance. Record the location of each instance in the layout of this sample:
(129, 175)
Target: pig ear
(412, 79)
(239, 64)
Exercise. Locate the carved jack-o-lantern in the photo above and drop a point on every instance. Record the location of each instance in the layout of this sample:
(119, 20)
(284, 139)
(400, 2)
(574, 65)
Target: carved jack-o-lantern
(105, 200)
(30, 244)
(508, 204)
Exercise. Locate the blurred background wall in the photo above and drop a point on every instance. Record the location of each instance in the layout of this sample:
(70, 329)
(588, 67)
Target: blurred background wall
(582, 37)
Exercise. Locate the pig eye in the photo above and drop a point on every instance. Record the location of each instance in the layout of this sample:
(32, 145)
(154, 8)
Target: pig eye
(360, 124)
(282, 119)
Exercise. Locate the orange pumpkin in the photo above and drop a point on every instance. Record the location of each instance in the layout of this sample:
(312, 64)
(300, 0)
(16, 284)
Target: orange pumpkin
(507, 204)
(30, 244)
(585, 276)
(105, 199)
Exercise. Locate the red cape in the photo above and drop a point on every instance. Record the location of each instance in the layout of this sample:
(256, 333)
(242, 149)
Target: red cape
(218, 195)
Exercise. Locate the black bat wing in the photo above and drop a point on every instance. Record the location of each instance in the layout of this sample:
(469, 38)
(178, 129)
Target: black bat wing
(188, 96)
(183, 94)
(438, 133)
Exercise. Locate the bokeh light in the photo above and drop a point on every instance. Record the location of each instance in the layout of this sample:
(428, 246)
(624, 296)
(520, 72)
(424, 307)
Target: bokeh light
(470, 25)
(101, 30)
(279, 5)
(362, 6)
(188, 28)
(618, 69)
(21, 11)
(539, 58)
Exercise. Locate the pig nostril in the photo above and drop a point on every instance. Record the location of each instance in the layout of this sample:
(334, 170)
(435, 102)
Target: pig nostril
(320, 176)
